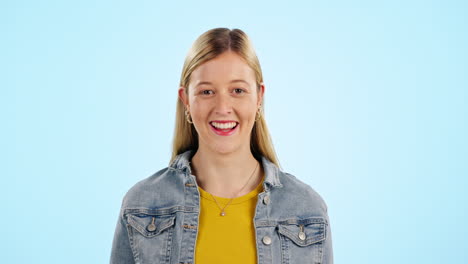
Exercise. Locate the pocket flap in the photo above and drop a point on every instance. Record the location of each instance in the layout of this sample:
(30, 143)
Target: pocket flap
(313, 231)
(141, 222)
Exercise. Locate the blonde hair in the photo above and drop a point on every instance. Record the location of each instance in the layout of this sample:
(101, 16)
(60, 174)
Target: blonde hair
(208, 46)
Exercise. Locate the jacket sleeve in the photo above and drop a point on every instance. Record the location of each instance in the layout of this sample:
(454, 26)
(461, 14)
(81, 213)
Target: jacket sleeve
(327, 246)
(121, 252)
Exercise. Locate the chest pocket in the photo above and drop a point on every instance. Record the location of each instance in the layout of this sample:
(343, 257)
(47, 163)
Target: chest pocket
(151, 236)
(302, 239)
(150, 225)
(304, 234)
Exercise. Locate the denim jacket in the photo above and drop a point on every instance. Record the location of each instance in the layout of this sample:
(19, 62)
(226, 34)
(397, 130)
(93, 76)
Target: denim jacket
(158, 220)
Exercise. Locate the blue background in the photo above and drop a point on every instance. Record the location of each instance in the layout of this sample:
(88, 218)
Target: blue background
(366, 102)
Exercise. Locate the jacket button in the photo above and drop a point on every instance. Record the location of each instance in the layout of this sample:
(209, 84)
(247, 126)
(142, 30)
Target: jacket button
(266, 240)
(266, 199)
(151, 227)
(302, 235)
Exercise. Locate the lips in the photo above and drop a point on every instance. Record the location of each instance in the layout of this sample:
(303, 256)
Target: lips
(224, 132)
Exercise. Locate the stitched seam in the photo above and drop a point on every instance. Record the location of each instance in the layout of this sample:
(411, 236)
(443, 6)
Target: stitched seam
(136, 255)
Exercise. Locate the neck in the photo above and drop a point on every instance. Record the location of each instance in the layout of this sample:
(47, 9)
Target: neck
(225, 175)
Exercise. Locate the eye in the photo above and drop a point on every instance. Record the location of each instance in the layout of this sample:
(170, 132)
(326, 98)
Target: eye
(239, 90)
(206, 92)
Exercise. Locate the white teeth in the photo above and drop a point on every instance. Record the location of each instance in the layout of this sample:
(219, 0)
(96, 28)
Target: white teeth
(224, 125)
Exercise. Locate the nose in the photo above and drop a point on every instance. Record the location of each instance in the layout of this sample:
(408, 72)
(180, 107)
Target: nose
(223, 104)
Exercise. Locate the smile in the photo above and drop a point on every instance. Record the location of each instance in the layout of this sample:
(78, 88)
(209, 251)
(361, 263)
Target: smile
(224, 129)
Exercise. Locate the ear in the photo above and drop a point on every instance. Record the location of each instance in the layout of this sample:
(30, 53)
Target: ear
(183, 95)
(261, 91)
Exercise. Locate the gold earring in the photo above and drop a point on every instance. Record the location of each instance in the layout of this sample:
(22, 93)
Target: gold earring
(187, 116)
(259, 114)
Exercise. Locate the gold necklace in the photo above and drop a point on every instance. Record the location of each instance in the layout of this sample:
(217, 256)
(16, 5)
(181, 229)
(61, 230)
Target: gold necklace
(222, 209)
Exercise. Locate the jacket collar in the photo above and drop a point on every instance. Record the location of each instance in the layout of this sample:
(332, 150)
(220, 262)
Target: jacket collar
(182, 162)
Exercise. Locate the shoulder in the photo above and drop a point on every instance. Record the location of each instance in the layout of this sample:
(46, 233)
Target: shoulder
(301, 192)
(159, 186)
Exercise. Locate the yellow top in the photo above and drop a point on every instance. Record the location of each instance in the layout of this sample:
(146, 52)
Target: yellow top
(230, 238)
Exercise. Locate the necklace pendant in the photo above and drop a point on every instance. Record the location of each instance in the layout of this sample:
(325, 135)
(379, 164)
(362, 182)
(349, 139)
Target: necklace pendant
(222, 213)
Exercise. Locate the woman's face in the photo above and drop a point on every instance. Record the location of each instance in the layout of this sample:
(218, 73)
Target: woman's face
(222, 92)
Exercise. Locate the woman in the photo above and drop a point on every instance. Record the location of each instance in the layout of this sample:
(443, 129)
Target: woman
(223, 197)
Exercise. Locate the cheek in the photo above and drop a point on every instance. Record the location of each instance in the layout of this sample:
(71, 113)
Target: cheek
(198, 111)
(249, 112)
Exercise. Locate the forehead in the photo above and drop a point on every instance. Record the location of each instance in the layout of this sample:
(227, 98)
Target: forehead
(223, 69)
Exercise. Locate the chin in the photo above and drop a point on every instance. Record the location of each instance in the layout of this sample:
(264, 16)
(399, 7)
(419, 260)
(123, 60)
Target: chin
(225, 149)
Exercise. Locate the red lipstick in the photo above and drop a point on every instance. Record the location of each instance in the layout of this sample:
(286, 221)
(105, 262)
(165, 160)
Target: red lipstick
(224, 132)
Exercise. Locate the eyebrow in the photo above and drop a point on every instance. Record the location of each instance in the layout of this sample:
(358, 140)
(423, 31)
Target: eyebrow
(233, 81)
